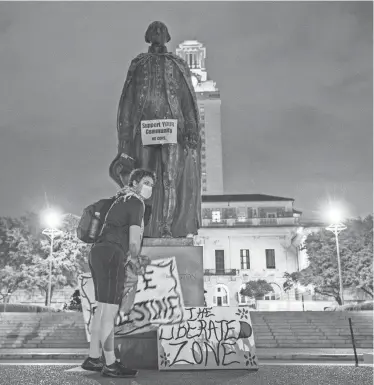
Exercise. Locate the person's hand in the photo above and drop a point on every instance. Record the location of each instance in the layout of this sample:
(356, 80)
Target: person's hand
(138, 264)
(144, 260)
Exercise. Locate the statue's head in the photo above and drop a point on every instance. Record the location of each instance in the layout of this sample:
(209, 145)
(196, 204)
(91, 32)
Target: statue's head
(157, 33)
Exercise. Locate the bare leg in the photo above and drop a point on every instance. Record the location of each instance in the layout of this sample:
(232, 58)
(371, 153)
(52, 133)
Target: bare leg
(171, 155)
(107, 319)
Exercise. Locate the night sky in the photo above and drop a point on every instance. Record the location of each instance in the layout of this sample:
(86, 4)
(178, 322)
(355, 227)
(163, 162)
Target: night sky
(296, 87)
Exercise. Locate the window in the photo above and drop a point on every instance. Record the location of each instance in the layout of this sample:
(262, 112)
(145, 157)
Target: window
(220, 261)
(241, 213)
(243, 300)
(271, 297)
(270, 258)
(244, 259)
(216, 216)
(221, 297)
(271, 215)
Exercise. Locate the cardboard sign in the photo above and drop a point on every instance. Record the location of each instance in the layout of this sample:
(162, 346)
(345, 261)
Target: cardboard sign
(86, 289)
(158, 300)
(210, 338)
(159, 131)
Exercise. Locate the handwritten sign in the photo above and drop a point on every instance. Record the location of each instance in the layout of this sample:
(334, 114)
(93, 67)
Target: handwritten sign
(158, 300)
(86, 289)
(159, 131)
(210, 338)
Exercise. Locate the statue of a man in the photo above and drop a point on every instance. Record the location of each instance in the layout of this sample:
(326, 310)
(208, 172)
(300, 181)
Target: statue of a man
(159, 87)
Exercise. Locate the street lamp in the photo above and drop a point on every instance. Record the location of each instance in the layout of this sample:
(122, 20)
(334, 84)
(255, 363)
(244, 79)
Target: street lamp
(52, 219)
(336, 227)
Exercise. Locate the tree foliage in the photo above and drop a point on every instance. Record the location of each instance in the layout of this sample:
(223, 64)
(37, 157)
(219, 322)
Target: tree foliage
(25, 256)
(256, 289)
(356, 255)
(17, 244)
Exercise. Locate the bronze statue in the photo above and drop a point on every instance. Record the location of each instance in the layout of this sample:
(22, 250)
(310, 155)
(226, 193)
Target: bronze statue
(158, 87)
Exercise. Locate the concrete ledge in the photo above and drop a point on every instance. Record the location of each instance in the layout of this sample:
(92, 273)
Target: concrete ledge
(151, 242)
(368, 358)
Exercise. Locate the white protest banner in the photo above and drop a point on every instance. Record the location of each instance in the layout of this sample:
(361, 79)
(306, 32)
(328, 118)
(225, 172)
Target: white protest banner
(86, 290)
(210, 338)
(159, 131)
(158, 300)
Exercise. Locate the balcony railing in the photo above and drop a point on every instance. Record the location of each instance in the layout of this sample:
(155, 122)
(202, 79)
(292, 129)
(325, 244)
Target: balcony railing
(221, 272)
(247, 222)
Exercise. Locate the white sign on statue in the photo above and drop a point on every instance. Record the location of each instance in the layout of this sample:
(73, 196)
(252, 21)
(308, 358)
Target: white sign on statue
(159, 131)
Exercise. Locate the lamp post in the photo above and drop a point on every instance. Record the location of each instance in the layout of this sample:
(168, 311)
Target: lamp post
(52, 219)
(337, 227)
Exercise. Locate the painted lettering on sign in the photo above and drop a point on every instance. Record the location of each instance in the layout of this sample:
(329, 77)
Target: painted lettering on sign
(158, 300)
(209, 338)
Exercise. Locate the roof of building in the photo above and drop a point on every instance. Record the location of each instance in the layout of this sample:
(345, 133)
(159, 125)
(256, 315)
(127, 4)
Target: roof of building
(243, 198)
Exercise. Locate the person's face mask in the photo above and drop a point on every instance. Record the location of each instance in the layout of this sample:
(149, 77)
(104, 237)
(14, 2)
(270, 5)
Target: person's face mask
(146, 191)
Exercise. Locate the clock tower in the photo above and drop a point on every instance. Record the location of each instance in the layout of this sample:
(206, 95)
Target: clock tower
(209, 102)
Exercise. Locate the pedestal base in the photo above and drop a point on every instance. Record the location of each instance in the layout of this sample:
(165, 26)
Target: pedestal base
(140, 350)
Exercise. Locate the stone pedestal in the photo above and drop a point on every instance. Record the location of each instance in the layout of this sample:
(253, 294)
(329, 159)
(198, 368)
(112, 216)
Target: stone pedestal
(140, 350)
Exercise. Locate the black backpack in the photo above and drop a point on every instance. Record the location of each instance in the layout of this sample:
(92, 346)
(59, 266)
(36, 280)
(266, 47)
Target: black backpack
(93, 218)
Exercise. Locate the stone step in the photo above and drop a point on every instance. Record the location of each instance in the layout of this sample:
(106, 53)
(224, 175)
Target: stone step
(55, 346)
(300, 340)
(52, 338)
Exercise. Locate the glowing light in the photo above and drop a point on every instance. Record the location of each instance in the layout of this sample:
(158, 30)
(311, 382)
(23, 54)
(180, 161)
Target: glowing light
(52, 219)
(334, 215)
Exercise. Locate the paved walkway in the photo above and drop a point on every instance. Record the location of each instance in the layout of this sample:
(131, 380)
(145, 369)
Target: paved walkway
(266, 375)
(304, 354)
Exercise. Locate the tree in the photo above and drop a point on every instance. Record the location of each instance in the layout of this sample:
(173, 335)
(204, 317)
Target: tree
(69, 260)
(17, 245)
(256, 289)
(356, 254)
(358, 244)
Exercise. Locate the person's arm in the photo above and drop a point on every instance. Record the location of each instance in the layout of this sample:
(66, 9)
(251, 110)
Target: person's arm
(134, 242)
(135, 218)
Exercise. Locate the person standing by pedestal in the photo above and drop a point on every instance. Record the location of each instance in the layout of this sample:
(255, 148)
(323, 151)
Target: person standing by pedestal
(119, 243)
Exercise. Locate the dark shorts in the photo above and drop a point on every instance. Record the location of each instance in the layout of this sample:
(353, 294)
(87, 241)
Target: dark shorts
(106, 263)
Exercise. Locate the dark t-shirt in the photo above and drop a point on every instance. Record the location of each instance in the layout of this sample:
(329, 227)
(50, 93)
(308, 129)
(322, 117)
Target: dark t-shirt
(120, 217)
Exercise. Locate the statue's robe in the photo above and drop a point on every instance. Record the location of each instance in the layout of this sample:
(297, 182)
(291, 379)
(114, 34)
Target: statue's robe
(159, 86)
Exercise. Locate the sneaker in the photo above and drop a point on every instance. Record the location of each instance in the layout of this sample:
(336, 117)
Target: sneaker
(118, 370)
(93, 364)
